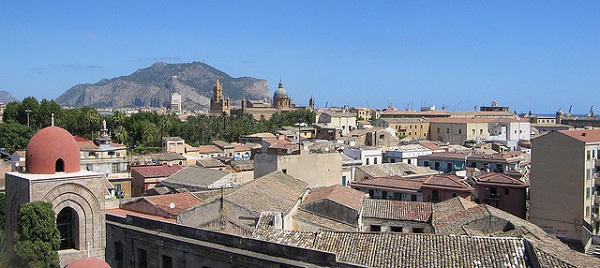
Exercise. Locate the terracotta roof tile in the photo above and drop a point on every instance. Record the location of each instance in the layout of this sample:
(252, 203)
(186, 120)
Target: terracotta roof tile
(397, 210)
(152, 171)
(174, 204)
(585, 135)
(337, 193)
(496, 178)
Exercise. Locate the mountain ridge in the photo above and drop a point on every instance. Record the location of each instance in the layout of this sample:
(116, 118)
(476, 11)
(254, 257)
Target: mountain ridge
(152, 87)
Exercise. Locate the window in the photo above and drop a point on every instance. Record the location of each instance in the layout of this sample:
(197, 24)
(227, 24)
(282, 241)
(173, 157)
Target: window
(413, 197)
(397, 196)
(459, 131)
(438, 130)
(115, 168)
(119, 253)
(111, 153)
(417, 230)
(454, 194)
(142, 258)
(375, 228)
(447, 130)
(506, 191)
(589, 155)
(371, 193)
(426, 163)
(284, 170)
(59, 165)
(480, 131)
(67, 225)
(368, 161)
(587, 193)
(167, 262)
(473, 131)
(375, 161)
(384, 195)
(396, 229)
(435, 196)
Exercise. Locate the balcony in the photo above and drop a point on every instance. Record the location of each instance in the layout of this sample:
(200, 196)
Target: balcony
(595, 217)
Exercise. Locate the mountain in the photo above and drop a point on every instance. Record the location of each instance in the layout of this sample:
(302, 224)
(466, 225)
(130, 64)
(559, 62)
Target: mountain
(6, 97)
(153, 86)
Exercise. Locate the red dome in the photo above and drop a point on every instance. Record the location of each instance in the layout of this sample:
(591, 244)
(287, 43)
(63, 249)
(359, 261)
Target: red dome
(50, 150)
(88, 263)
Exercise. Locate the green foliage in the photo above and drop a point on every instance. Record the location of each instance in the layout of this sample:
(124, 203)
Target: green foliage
(143, 129)
(37, 238)
(14, 136)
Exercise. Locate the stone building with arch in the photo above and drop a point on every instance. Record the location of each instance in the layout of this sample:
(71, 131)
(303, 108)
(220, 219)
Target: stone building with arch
(53, 174)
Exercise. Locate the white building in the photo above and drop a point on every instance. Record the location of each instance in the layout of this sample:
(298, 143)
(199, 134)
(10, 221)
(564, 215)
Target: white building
(406, 154)
(368, 155)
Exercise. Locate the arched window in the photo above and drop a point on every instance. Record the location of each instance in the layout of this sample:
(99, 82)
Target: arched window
(67, 224)
(60, 165)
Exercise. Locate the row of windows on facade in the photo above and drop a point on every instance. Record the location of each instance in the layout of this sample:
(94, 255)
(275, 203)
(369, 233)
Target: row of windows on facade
(98, 154)
(394, 229)
(450, 166)
(473, 131)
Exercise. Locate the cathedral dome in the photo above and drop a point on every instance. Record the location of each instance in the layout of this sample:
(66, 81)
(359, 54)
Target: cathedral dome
(280, 92)
(51, 150)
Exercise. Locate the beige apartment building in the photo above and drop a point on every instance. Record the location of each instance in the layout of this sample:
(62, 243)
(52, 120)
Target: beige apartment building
(415, 128)
(564, 182)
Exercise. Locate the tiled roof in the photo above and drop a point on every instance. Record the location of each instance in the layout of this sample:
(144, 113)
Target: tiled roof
(242, 165)
(408, 250)
(393, 120)
(397, 210)
(124, 212)
(208, 163)
(398, 183)
(195, 177)
(240, 148)
(431, 145)
(84, 143)
(477, 120)
(174, 204)
(394, 169)
(496, 178)
(337, 193)
(275, 191)
(422, 250)
(167, 156)
(153, 171)
(447, 181)
(322, 222)
(585, 135)
(207, 149)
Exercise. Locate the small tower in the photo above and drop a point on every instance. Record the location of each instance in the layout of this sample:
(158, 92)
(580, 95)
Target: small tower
(218, 103)
(311, 103)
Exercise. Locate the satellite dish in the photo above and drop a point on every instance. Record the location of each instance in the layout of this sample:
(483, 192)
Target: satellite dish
(172, 205)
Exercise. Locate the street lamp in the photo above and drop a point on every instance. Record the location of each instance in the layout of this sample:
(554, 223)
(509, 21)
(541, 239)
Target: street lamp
(299, 124)
(28, 111)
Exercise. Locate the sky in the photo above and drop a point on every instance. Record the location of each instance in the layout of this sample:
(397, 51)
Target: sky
(528, 55)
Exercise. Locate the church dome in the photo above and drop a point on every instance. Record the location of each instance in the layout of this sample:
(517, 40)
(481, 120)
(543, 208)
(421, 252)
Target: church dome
(280, 92)
(88, 263)
(51, 150)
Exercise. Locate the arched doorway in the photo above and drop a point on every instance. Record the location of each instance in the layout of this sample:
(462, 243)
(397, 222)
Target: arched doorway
(59, 166)
(67, 222)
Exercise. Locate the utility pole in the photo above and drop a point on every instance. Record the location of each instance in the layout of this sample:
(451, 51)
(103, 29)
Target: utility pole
(28, 111)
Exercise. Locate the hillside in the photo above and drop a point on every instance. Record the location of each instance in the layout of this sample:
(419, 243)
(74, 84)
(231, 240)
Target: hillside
(6, 97)
(153, 86)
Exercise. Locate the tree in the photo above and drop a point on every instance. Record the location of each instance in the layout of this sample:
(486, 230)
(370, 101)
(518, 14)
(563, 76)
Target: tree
(14, 136)
(37, 239)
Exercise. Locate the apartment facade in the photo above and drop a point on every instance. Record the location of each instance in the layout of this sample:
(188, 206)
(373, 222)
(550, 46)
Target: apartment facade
(564, 183)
